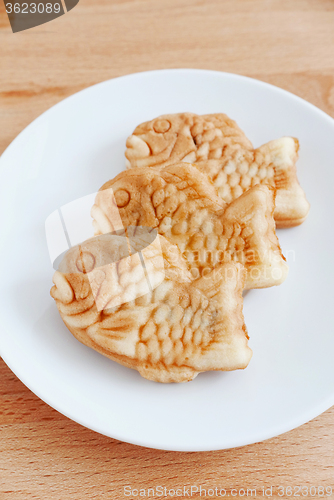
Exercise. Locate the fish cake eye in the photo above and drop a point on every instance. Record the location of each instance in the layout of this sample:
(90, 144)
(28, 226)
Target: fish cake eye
(161, 126)
(122, 198)
(85, 262)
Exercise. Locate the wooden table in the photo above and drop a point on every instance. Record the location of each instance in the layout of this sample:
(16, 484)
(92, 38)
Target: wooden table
(288, 43)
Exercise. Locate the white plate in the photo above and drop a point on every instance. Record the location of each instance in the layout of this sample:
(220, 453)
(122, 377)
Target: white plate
(69, 152)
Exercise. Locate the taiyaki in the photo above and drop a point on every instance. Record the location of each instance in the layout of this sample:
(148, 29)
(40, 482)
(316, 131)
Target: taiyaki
(219, 148)
(182, 204)
(170, 333)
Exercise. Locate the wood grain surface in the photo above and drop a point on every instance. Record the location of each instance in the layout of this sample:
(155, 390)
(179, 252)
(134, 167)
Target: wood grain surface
(288, 43)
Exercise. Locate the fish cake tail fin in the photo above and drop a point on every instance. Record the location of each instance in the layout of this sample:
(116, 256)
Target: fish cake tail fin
(292, 206)
(260, 251)
(228, 347)
(222, 279)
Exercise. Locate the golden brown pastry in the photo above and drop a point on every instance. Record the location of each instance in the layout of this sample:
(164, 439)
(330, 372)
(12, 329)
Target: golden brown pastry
(171, 333)
(182, 204)
(218, 147)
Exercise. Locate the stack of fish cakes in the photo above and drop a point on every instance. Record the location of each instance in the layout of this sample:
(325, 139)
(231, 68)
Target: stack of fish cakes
(179, 235)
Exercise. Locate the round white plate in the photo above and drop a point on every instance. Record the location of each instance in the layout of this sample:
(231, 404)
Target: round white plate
(69, 152)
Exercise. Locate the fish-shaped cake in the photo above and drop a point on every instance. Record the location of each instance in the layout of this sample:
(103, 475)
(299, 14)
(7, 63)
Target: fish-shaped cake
(170, 333)
(219, 148)
(182, 205)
